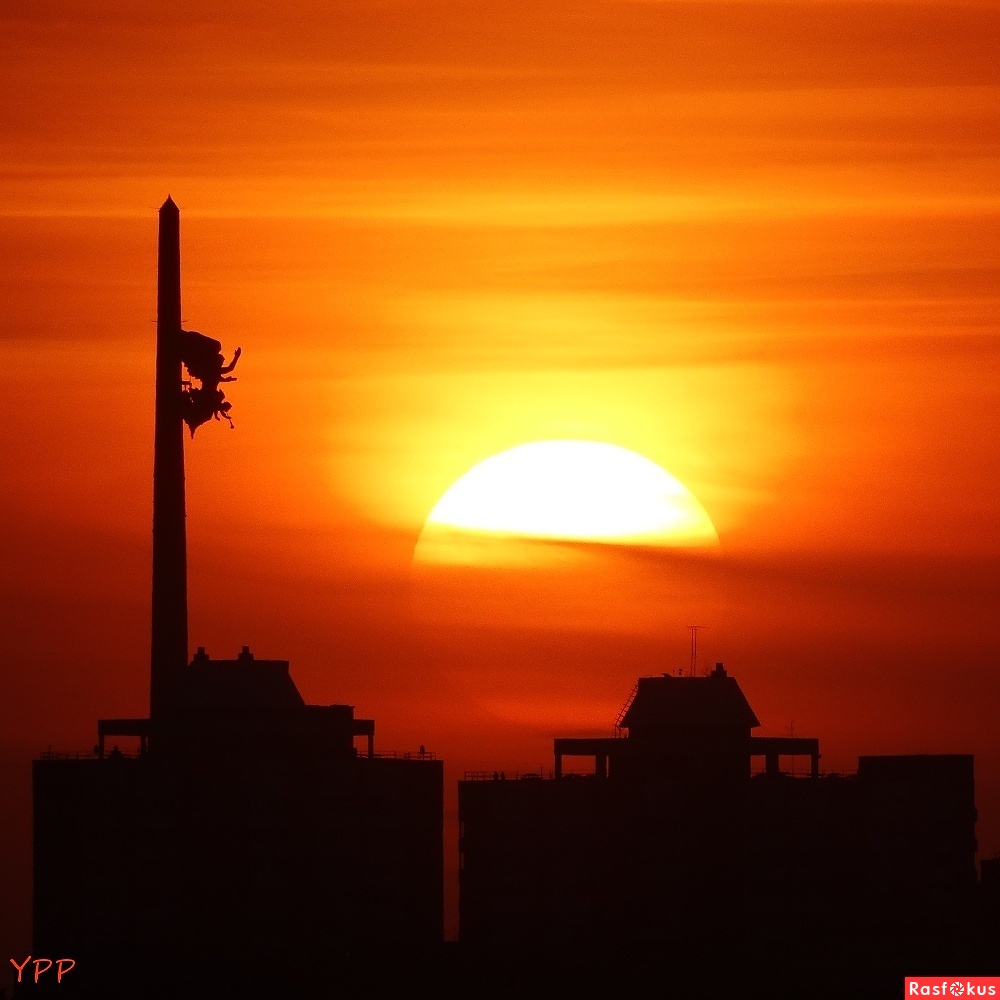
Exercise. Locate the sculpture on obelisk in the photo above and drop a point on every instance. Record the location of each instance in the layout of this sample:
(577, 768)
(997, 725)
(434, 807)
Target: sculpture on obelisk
(178, 401)
(204, 361)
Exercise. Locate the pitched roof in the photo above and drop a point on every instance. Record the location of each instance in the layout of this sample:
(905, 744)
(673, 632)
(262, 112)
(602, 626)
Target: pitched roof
(666, 702)
(243, 683)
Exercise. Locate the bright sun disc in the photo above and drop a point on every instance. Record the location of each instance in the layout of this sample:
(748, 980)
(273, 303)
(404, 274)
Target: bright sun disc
(582, 490)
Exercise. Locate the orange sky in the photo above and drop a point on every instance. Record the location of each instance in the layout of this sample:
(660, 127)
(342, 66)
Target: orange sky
(752, 241)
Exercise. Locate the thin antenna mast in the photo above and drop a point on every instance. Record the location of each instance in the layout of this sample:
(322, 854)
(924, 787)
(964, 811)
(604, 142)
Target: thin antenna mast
(694, 648)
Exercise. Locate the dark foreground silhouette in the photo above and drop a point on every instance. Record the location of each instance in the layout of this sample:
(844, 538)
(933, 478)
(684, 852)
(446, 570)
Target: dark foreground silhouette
(262, 848)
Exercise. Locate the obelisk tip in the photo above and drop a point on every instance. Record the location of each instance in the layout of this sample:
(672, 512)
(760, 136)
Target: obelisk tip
(169, 205)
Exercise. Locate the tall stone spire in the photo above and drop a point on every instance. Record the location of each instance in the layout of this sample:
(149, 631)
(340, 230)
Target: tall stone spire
(170, 628)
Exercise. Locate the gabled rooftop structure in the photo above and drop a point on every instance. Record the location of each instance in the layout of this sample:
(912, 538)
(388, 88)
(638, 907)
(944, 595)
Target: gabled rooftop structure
(670, 704)
(687, 725)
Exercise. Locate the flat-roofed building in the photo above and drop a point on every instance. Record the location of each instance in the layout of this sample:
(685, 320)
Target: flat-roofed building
(684, 828)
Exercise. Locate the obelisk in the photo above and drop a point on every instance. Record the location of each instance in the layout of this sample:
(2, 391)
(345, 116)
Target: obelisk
(169, 632)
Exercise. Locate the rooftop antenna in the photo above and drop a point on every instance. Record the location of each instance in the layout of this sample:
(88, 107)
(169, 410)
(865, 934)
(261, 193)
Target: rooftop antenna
(694, 649)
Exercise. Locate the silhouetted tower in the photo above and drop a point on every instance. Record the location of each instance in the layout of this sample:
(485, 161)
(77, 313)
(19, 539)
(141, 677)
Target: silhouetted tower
(169, 653)
(237, 831)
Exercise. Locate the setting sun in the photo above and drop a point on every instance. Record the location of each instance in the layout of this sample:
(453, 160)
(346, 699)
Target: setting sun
(573, 490)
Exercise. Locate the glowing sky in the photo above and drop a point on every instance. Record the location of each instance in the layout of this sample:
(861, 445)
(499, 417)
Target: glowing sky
(752, 241)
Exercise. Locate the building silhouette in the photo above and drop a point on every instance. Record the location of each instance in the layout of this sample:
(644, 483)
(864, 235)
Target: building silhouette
(236, 835)
(256, 829)
(685, 838)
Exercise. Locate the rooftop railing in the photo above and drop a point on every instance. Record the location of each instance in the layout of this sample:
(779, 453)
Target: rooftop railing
(548, 775)
(539, 775)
